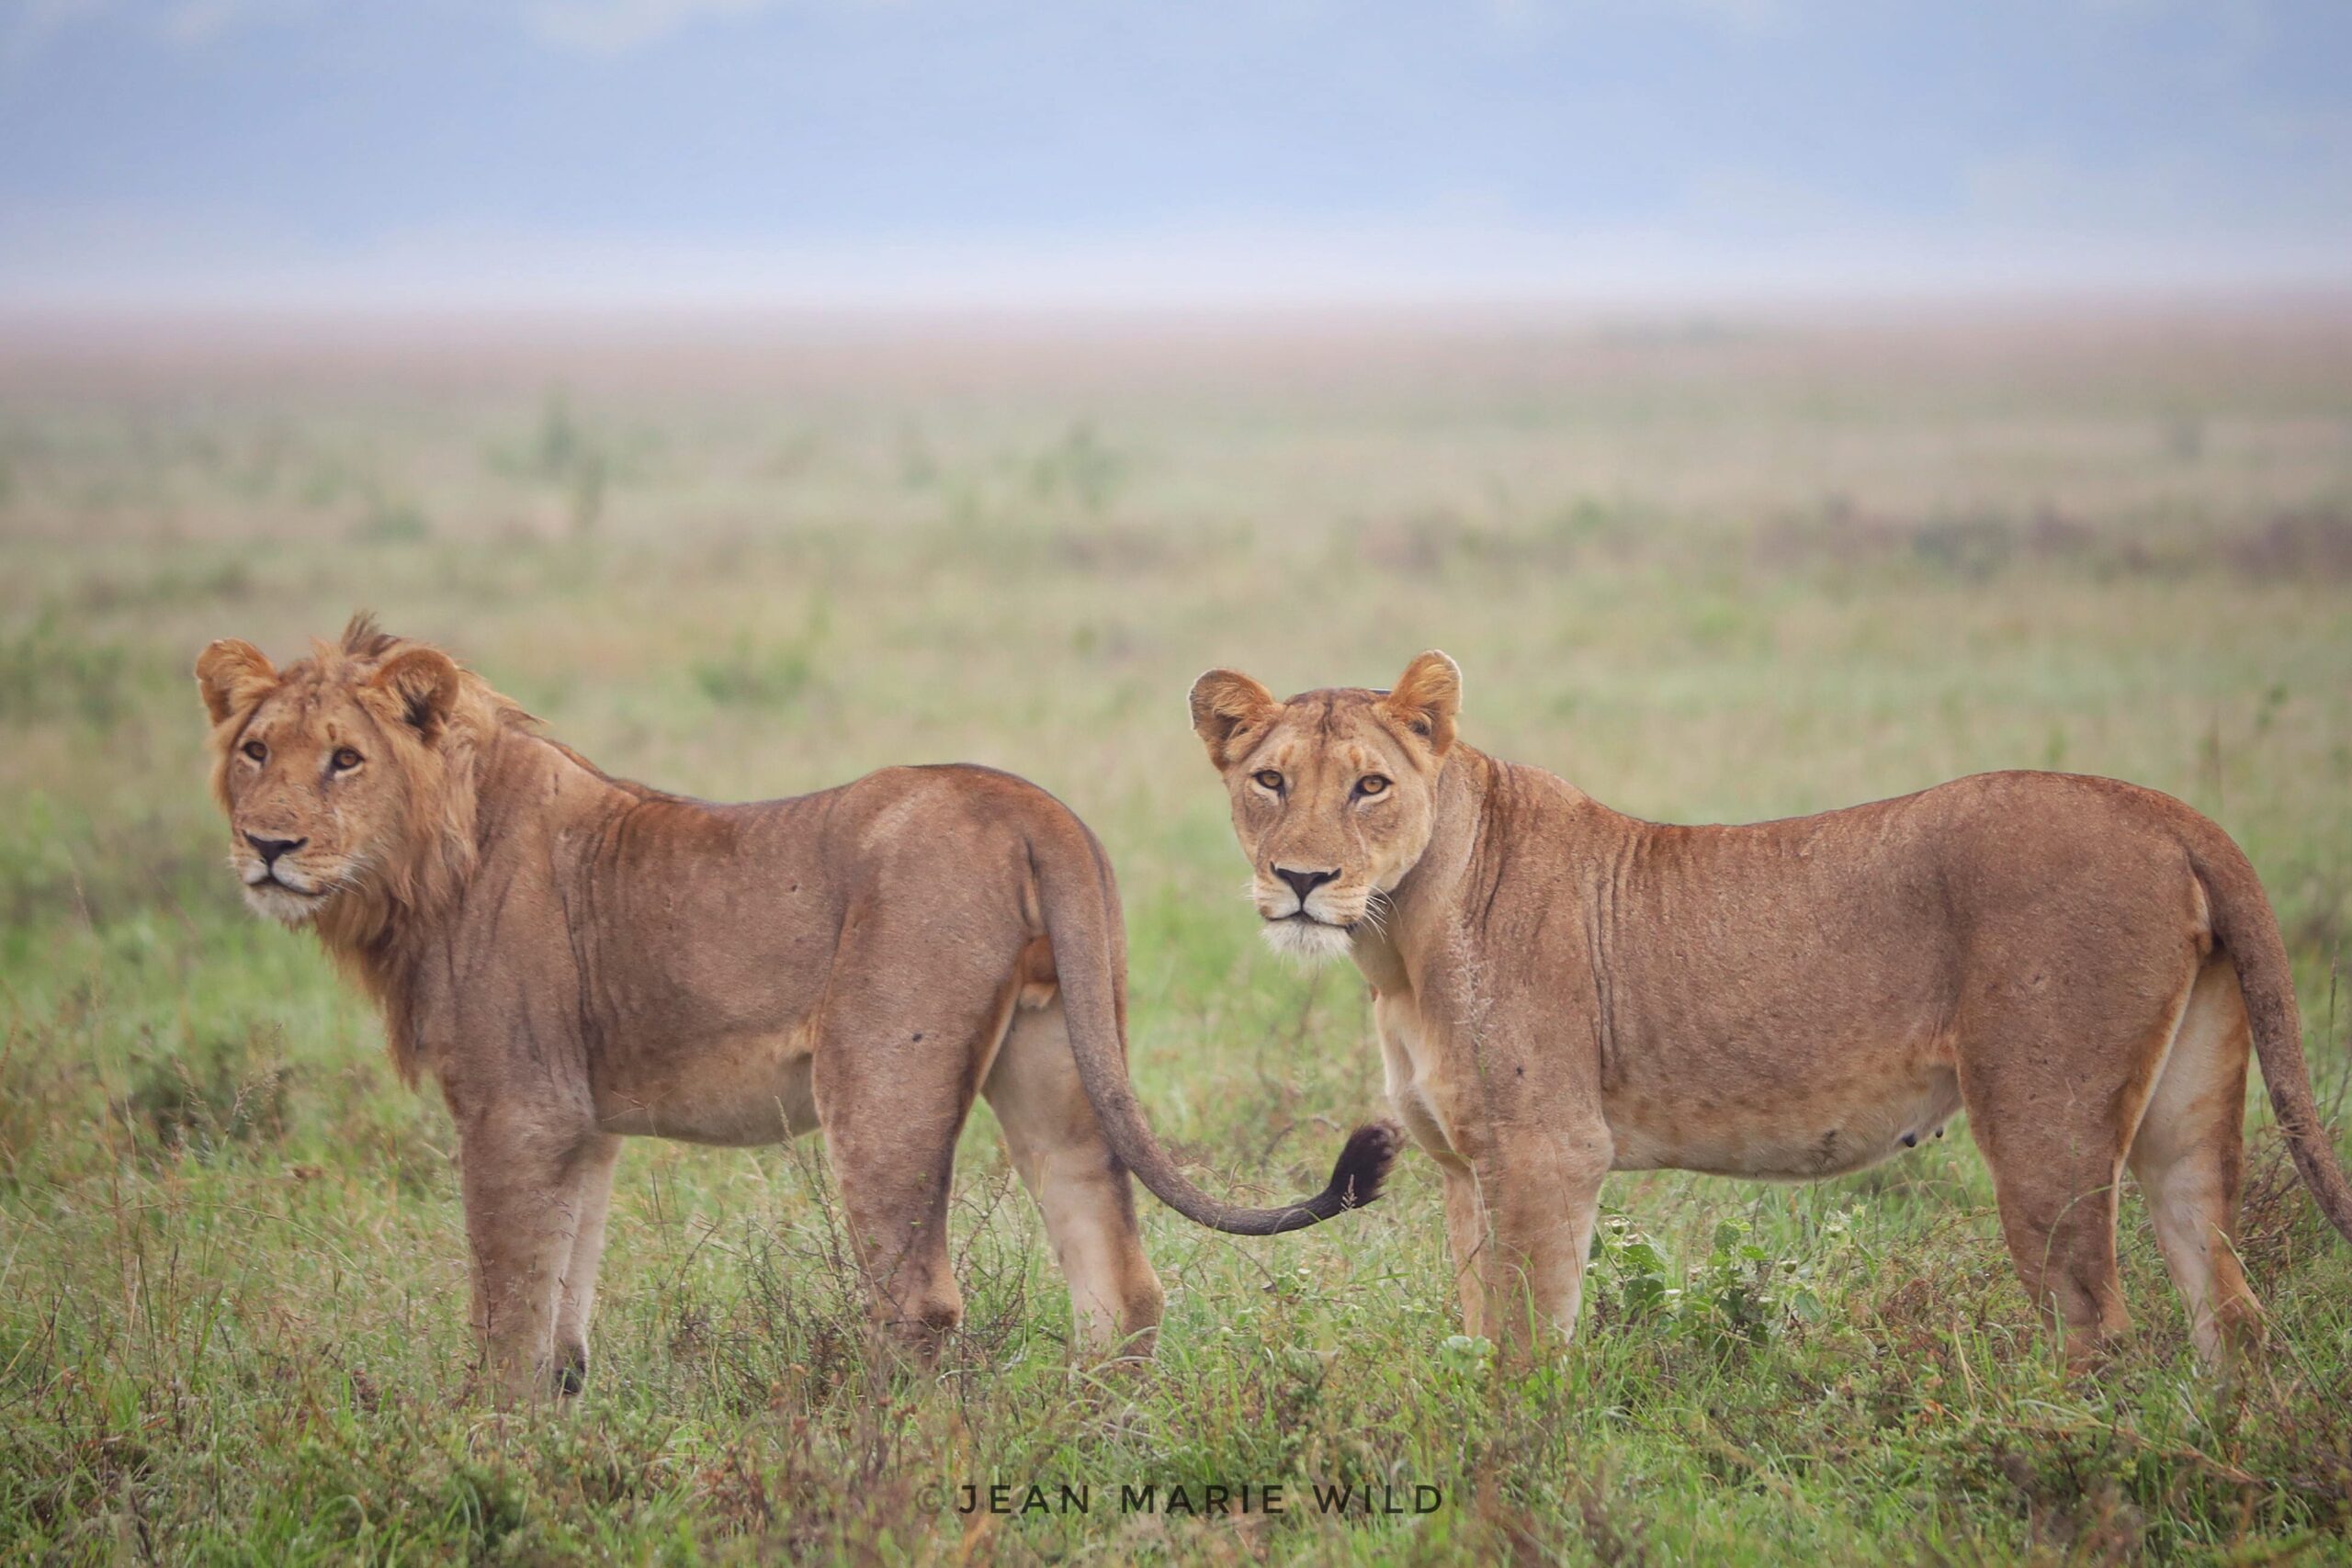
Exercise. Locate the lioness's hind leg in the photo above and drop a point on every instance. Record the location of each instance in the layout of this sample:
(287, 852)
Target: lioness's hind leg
(2057, 1203)
(2189, 1159)
(1083, 1192)
(2054, 1098)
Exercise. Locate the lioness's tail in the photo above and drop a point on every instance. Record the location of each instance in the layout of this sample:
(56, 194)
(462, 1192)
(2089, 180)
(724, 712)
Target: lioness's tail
(1081, 915)
(2247, 930)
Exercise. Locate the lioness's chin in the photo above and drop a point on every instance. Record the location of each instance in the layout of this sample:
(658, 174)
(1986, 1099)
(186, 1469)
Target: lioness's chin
(1310, 941)
(282, 905)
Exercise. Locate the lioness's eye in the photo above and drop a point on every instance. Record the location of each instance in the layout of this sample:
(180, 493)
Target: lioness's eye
(256, 750)
(346, 760)
(1372, 784)
(1268, 779)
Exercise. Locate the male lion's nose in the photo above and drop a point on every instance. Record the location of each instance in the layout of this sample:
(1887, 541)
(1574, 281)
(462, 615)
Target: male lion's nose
(1305, 882)
(270, 848)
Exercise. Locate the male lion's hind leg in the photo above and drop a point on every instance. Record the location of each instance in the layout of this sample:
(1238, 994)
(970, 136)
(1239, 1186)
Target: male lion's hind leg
(2189, 1159)
(893, 1080)
(523, 1213)
(1084, 1194)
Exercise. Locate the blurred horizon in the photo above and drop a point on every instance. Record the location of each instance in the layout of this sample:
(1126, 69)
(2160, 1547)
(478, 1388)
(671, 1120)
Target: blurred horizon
(285, 156)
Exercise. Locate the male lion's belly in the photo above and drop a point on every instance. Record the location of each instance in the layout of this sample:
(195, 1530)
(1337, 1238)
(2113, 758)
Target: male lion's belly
(1781, 1131)
(736, 1089)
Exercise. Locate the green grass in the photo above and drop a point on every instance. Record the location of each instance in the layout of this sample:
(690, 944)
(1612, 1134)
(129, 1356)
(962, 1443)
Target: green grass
(1711, 574)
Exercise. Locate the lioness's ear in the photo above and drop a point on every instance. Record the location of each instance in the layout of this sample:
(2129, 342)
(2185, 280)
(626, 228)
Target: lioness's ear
(232, 675)
(1225, 704)
(1426, 698)
(424, 682)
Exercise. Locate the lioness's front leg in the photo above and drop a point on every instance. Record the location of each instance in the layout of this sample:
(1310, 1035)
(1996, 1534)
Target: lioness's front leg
(1401, 1036)
(1522, 1121)
(1541, 1190)
(1466, 1239)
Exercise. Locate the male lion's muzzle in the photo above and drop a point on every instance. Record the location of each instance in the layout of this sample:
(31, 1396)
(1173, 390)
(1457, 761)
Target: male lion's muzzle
(281, 881)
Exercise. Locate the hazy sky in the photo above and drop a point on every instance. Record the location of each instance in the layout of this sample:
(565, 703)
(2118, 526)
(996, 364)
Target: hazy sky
(789, 152)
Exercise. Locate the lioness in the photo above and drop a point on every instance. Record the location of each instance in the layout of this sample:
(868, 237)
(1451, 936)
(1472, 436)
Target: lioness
(575, 958)
(1561, 991)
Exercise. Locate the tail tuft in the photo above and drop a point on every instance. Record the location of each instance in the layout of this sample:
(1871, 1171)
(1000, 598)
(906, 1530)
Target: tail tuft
(1363, 1166)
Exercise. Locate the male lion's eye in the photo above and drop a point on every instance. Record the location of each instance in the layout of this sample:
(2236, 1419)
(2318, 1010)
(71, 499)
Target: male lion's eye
(1372, 784)
(346, 760)
(1269, 779)
(256, 750)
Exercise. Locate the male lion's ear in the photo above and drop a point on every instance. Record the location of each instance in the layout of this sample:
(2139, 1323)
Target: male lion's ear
(1225, 703)
(232, 676)
(425, 683)
(1426, 698)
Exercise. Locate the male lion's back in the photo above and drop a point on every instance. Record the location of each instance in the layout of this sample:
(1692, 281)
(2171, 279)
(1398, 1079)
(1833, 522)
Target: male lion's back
(958, 834)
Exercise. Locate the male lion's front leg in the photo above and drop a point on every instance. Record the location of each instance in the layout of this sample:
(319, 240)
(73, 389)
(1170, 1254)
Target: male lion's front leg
(592, 1195)
(523, 1213)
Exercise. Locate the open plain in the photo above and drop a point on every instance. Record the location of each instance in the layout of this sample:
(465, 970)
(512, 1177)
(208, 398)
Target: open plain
(1715, 566)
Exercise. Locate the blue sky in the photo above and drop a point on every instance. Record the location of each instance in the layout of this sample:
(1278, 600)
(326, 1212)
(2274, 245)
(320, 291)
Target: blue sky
(1124, 151)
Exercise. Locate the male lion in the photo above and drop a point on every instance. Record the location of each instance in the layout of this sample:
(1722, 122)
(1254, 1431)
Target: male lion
(575, 958)
(1562, 990)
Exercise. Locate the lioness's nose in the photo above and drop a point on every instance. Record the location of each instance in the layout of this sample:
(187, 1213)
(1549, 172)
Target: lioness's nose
(1305, 882)
(270, 848)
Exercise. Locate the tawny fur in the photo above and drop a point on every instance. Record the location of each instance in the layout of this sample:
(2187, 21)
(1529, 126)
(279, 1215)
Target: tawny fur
(573, 958)
(1562, 990)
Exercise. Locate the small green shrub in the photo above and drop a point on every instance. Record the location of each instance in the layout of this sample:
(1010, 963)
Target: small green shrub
(1740, 1293)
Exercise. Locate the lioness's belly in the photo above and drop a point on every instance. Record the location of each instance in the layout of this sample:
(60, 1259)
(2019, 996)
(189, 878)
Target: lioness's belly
(1846, 1114)
(737, 1090)
(1783, 1131)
